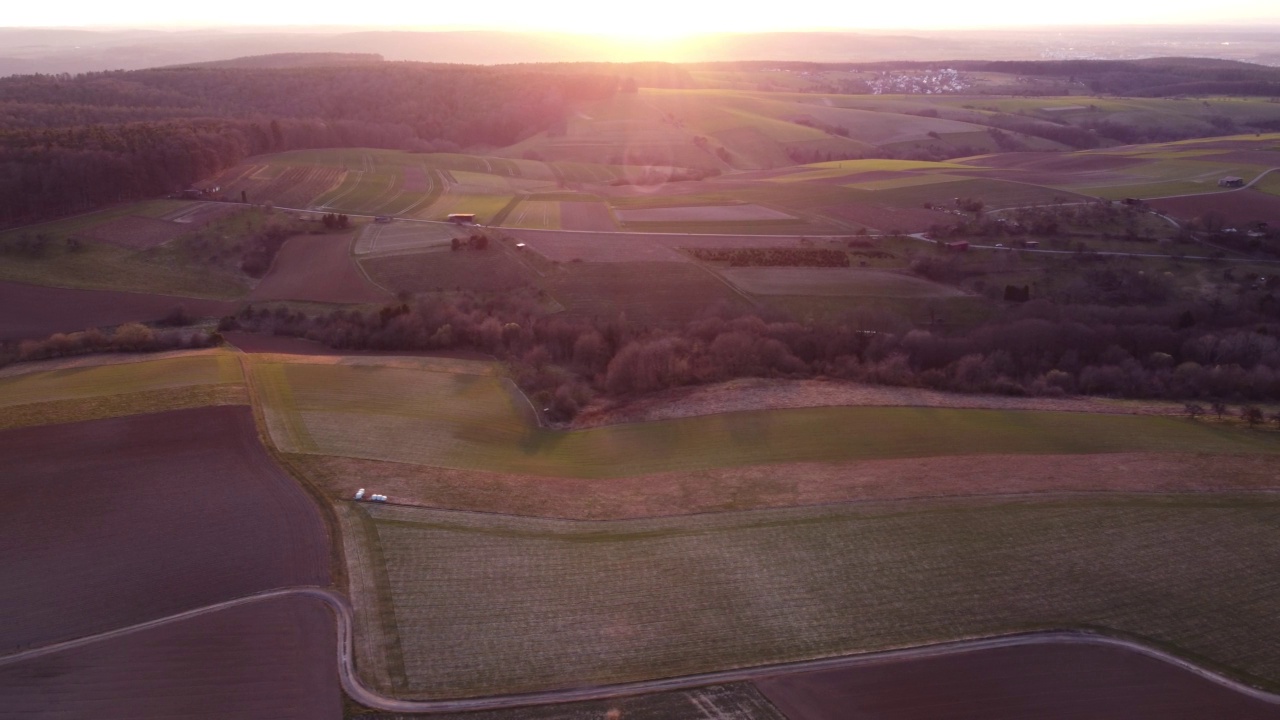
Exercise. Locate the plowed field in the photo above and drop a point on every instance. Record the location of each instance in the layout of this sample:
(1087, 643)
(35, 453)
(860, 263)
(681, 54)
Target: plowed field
(1239, 207)
(319, 269)
(34, 311)
(272, 660)
(1046, 682)
(110, 523)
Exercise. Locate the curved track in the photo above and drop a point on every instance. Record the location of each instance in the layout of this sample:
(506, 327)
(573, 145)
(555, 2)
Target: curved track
(351, 682)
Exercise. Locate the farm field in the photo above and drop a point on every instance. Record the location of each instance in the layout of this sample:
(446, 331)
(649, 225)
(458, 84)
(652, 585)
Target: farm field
(474, 423)
(586, 216)
(1240, 208)
(79, 380)
(317, 269)
(598, 603)
(268, 661)
(540, 214)
(1055, 682)
(600, 247)
(157, 514)
(837, 282)
(644, 291)
(35, 311)
(405, 237)
(780, 485)
(709, 214)
(443, 270)
(105, 266)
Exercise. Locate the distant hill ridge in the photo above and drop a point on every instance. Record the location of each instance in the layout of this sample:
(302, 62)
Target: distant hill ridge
(275, 61)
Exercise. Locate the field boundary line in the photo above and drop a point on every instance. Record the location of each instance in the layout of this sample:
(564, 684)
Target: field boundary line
(343, 615)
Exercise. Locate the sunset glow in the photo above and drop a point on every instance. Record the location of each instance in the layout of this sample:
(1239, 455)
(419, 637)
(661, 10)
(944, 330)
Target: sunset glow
(658, 20)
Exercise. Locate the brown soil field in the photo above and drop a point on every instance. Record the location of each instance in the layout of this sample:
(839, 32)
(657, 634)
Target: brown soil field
(1239, 207)
(267, 661)
(136, 233)
(885, 218)
(1045, 682)
(155, 514)
(708, 213)
(36, 311)
(586, 216)
(318, 268)
(491, 270)
(789, 484)
(760, 394)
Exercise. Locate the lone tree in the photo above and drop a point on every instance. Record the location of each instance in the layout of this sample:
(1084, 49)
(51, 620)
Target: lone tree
(1193, 410)
(1219, 409)
(1275, 417)
(1251, 414)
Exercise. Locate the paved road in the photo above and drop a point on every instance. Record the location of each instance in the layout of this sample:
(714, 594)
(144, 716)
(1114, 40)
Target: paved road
(363, 695)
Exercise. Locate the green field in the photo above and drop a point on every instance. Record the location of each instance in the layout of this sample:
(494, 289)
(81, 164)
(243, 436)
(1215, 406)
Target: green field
(479, 422)
(178, 267)
(78, 383)
(476, 604)
(537, 214)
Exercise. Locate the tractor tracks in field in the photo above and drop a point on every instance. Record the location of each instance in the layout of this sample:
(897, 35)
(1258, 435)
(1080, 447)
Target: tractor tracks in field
(353, 686)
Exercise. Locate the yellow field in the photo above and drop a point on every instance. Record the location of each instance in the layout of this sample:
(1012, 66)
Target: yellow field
(72, 383)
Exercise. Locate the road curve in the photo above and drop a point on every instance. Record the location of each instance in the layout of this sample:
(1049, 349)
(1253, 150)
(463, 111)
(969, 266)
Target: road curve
(363, 695)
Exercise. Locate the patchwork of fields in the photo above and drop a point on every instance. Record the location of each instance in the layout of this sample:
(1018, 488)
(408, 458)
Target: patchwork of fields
(675, 539)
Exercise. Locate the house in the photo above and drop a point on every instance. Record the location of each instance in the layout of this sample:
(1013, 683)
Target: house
(960, 246)
(1231, 181)
(462, 218)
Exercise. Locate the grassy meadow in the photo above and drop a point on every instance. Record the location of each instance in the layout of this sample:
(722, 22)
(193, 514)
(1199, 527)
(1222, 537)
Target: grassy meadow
(478, 421)
(58, 392)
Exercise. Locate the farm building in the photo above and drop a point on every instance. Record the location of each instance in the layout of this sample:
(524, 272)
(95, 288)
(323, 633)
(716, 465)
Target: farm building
(463, 218)
(960, 246)
(1231, 181)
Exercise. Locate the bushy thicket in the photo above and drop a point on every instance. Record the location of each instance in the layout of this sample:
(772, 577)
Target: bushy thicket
(1035, 348)
(130, 337)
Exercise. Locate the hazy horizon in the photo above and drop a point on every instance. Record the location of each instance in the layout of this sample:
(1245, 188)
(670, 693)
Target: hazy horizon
(660, 18)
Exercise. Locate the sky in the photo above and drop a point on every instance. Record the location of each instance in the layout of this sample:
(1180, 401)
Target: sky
(653, 19)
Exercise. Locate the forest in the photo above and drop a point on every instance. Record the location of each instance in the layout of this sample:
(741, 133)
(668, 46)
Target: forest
(72, 143)
(1194, 350)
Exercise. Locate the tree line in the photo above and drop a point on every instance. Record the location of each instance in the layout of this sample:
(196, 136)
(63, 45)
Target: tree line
(1198, 351)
